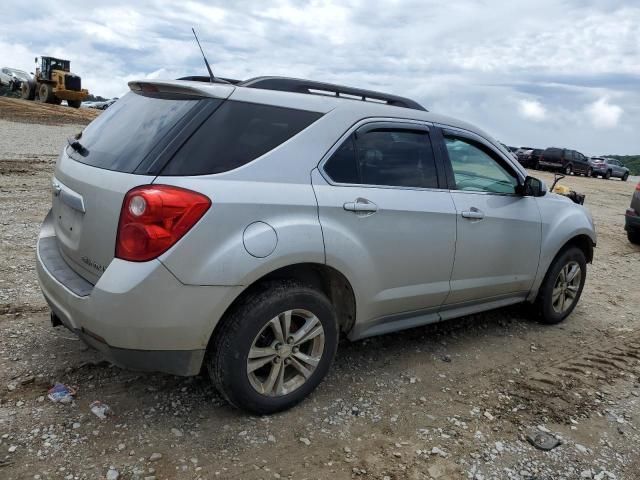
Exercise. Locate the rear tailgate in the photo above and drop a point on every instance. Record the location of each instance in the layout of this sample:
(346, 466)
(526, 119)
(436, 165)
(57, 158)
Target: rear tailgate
(119, 150)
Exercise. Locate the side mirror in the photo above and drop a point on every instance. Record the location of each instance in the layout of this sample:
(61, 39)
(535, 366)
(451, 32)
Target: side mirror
(533, 187)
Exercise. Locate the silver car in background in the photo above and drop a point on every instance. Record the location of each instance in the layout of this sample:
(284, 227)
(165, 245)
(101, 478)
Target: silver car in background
(244, 226)
(13, 78)
(608, 167)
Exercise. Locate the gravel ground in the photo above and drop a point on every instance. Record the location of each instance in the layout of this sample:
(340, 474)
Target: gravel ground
(447, 401)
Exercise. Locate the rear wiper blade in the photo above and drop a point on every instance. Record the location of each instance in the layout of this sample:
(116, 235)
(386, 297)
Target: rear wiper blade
(77, 146)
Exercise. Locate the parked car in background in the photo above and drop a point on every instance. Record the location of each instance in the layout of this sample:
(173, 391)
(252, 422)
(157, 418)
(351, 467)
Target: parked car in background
(99, 105)
(632, 218)
(13, 78)
(566, 160)
(103, 105)
(609, 167)
(242, 228)
(529, 158)
(510, 150)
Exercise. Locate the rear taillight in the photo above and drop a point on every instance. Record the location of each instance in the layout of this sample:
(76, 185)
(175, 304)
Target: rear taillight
(638, 187)
(154, 217)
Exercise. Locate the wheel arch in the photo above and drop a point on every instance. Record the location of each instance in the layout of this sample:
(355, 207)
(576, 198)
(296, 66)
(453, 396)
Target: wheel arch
(324, 278)
(582, 241)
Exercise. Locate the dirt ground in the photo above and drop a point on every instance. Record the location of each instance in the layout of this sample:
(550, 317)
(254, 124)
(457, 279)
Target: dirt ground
(448, 401)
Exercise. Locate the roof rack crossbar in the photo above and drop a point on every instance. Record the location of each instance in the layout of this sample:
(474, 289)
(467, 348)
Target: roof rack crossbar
(285, 84)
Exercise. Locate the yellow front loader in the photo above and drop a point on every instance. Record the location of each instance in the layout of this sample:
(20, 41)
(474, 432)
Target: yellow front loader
(54, 82)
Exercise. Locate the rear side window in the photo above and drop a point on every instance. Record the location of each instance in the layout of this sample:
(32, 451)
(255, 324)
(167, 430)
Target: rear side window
(390, 157)
(121, 137)
(553, 153)
(235, 134)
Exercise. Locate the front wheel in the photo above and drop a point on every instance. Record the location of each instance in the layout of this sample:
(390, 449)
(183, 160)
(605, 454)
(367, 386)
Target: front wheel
(607, 175)
(625, 176)
(45, 93)
(274, 348)
(562, 286)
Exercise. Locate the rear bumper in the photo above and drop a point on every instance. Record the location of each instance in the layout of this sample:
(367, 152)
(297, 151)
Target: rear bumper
(137, 314)
(632, 221)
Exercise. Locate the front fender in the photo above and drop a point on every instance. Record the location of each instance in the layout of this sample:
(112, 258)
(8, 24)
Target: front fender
(562, 222)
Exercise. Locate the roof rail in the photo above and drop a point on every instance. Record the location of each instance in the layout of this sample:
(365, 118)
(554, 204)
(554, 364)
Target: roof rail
(285, 84)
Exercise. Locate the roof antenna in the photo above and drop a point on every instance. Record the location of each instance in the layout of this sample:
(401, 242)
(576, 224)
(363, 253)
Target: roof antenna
(212, 79)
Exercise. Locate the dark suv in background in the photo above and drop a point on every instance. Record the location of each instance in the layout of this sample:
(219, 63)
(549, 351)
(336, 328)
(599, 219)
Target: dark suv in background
(529, 157)
(568, 161)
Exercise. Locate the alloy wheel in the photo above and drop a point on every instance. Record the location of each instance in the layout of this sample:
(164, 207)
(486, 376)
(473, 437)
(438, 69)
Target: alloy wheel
(285, 353)
(566, 287)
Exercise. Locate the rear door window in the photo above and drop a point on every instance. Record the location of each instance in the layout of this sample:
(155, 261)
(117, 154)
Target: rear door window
(121, 137)
(386, 156)
(235, 134)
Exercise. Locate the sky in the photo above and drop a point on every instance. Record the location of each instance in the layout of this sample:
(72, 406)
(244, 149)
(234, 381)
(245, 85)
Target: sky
(530, 72)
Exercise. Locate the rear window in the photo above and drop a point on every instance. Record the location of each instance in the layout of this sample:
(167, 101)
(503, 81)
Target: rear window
(235, 134)
(121, 137)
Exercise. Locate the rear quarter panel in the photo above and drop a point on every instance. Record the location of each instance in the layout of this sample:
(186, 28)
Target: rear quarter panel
(214, 253)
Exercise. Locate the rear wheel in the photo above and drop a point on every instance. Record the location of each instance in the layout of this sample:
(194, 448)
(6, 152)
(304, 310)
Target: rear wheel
(562, 286)
(28, 91)
(274, 348)
(568, 169)
(74, 103)
(607, 175)
(45, 93)
(625, 176)
(589, 172)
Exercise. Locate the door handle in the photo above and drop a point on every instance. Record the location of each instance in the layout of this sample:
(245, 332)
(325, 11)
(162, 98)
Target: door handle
(361, 205)
(473, 214)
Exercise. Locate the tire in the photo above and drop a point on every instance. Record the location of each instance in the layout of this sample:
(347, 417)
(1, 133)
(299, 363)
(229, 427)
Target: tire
(74, 103)
(634, 236)
(537, 166)
(625, 176)
(607, 175)
(28, 91)
(251, 326)
(546, 307)
(589, 172)
(568, 169)
(45, 93)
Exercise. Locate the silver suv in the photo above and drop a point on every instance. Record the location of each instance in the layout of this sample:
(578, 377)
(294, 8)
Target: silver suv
(243, 226)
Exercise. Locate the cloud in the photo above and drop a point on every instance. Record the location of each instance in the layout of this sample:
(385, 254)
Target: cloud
(469, 59)
(532, 109)
(604, 114)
